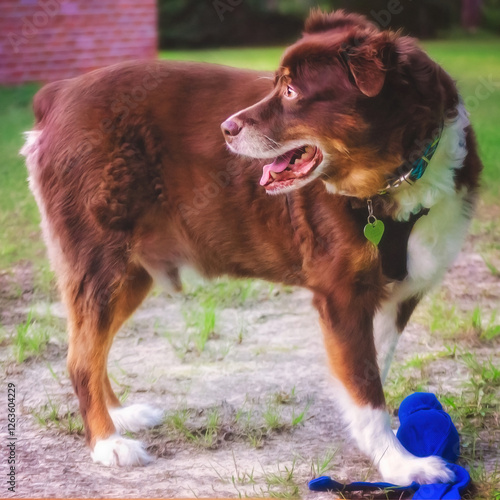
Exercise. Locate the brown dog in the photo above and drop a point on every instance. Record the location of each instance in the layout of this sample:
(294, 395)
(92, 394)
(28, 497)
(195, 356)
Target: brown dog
(357, 127)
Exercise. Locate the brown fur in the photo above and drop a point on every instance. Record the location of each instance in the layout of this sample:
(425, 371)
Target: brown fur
(136, 181)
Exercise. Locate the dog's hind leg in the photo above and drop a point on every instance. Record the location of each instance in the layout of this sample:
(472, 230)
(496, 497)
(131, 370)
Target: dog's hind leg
(347, 323)
(97, 307)
(136, 416)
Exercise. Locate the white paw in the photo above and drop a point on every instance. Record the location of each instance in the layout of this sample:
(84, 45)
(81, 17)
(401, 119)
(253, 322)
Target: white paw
(427, 470)
(117, 450)
(135, 417)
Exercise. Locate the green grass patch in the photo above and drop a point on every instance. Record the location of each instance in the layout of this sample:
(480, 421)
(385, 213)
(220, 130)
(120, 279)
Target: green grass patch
(282, 482)
(225, 292)
(253, 422)
(452, 323)
(486, 483)
(201, 310)
(400, 384)
(200, 428)
(33, 335)
(475, 65)
(52, 415)
(19, 218)
(476, 408)
(200, 327)
(265, 59)
(200, 321)
(324, 463)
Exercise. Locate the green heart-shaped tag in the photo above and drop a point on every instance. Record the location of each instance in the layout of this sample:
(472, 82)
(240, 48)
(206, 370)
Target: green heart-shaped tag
(374, 232)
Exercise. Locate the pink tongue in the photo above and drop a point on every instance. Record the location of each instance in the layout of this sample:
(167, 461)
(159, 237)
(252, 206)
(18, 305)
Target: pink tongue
(277, 166)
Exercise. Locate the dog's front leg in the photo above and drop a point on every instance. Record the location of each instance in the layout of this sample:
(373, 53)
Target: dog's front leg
(347, 325)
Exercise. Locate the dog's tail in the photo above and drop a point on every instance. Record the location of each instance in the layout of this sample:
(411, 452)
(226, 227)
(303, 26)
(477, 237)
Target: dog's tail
(43, 102)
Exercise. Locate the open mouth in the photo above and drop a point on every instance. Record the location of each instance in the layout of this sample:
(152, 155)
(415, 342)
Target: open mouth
(291, 166)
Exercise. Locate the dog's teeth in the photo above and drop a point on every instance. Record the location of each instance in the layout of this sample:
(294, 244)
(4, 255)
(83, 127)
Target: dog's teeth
(308, 150)
(273, 174)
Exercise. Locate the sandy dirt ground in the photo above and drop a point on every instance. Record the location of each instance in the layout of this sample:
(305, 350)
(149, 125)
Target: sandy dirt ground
(252, 414)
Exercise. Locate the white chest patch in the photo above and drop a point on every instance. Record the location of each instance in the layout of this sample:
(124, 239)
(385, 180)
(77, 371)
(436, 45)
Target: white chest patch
(437, 237)
(438, 181)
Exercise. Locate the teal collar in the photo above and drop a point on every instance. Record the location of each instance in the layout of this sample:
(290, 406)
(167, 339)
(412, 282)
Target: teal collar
(414, 171)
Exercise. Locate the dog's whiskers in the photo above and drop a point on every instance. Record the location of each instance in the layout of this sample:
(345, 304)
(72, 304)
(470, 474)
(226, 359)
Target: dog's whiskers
(273, 145)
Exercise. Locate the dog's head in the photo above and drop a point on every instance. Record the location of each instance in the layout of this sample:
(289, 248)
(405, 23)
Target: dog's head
(350, 104)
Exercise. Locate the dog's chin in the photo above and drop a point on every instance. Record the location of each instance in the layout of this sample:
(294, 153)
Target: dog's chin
(242, 149)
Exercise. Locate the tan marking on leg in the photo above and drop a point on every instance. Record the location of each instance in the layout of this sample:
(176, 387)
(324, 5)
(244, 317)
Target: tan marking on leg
(89, 345)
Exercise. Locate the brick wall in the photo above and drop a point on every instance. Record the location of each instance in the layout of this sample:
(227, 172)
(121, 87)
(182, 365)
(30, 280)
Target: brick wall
(47, 40)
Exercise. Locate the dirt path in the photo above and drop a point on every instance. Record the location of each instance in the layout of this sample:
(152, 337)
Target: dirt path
(253, 413)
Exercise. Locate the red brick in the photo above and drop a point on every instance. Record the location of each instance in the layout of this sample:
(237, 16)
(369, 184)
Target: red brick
(84, 35)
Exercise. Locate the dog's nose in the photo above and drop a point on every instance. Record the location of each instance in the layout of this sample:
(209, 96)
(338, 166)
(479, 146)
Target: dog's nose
(230, 128)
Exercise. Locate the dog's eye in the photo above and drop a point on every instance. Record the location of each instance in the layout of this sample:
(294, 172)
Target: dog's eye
(290, 92)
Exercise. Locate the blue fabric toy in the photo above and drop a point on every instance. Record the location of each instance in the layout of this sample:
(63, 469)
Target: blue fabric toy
(426, 429)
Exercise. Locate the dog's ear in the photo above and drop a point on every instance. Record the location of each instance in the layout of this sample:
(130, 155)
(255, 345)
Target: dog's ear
(435, 87)
(319, 21)
(367, 60)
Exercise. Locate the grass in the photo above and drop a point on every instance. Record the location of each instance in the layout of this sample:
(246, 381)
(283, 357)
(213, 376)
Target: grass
(19, 219)
(486, 484)
(203, 303)
(475, 410)
(281, 483)
(400, 384)
(242, 477)
(28, 340)
(201, 428)
(52, 416)
(451, 323)
(202, 431)
(200, 327)
(225, 292)
(475, 406)
(32, 336)
(200, 320)
(474, 64)
(323, 463)
(255, 58)
(272, 417)
(280, 480)
(253, 422)
(493, 269)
